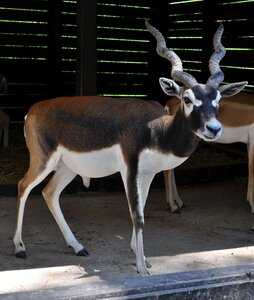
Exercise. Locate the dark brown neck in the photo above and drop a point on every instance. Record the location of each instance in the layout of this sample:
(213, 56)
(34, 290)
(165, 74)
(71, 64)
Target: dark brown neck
(175, 137)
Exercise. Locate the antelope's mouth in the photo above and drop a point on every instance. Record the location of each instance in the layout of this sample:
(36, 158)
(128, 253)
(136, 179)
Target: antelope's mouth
(212, 137)
(208, 138)
(208, 135)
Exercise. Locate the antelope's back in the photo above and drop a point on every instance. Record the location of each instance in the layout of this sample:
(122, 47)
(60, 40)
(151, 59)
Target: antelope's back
(90, 121)
(96, 107)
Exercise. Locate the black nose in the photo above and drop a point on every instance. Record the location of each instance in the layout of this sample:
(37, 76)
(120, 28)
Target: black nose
(214, 130)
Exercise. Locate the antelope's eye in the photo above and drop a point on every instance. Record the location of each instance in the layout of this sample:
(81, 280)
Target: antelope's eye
(187, 100)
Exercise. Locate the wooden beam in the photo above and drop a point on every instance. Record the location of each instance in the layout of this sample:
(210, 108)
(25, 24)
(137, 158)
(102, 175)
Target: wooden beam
(86, 48)
(54, 48)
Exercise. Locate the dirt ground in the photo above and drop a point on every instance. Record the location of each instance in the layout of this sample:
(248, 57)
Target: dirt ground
(214, 230)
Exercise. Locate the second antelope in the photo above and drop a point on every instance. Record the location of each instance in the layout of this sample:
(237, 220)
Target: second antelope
(98, 136)
(237, 118)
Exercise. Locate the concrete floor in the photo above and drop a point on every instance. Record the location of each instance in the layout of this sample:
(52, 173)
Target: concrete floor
(214, 230)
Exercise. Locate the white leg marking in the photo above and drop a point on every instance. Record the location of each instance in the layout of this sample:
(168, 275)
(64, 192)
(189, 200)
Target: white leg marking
(17, 240)
(250, 196)
(86, 181)
(144, 183)
(174, 188)
(172, 197)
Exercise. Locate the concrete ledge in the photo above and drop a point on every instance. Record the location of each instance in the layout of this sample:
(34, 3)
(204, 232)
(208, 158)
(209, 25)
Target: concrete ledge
(220, 283)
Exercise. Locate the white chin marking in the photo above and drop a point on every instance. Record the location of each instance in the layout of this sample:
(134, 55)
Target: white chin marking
(208, 136)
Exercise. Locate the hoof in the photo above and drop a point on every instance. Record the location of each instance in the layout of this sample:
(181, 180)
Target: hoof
(21, 254)
(82, 252)
(148, 265)
(177, 211)
(145, 273)
(183, 206)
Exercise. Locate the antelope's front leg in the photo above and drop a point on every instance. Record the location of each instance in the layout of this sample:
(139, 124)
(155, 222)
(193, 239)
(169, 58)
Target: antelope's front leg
(137, 195)
(250, 192)
(137, 217)
(143, 188)
(172, 197)
(138, 225)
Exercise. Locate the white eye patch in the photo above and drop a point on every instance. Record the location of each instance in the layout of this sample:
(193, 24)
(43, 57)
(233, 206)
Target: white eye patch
(216, 101)
(197, 102)
(189, 98)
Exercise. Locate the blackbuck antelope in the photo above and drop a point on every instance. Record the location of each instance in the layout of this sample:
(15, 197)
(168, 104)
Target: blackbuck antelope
(99, 136)
(237, 118)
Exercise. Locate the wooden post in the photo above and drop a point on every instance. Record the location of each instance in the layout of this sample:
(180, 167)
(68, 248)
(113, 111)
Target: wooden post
(86, 48)
(54, 59)
(4, 128)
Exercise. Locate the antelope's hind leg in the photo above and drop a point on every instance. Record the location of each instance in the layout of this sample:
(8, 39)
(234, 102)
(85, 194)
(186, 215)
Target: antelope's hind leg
(39, 169)
(61, 178)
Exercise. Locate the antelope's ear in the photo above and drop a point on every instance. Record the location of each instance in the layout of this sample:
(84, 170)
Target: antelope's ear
(170, 88)
(231, 89)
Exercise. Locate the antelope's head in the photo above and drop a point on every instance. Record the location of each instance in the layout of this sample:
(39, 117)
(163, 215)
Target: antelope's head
(200, 102)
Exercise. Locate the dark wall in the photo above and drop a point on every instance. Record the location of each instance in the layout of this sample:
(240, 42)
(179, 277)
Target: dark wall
(48, 50)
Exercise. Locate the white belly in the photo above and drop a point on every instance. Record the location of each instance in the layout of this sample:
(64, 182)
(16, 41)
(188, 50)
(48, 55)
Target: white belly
(152, 161)
(93, 164)
(108, 161)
